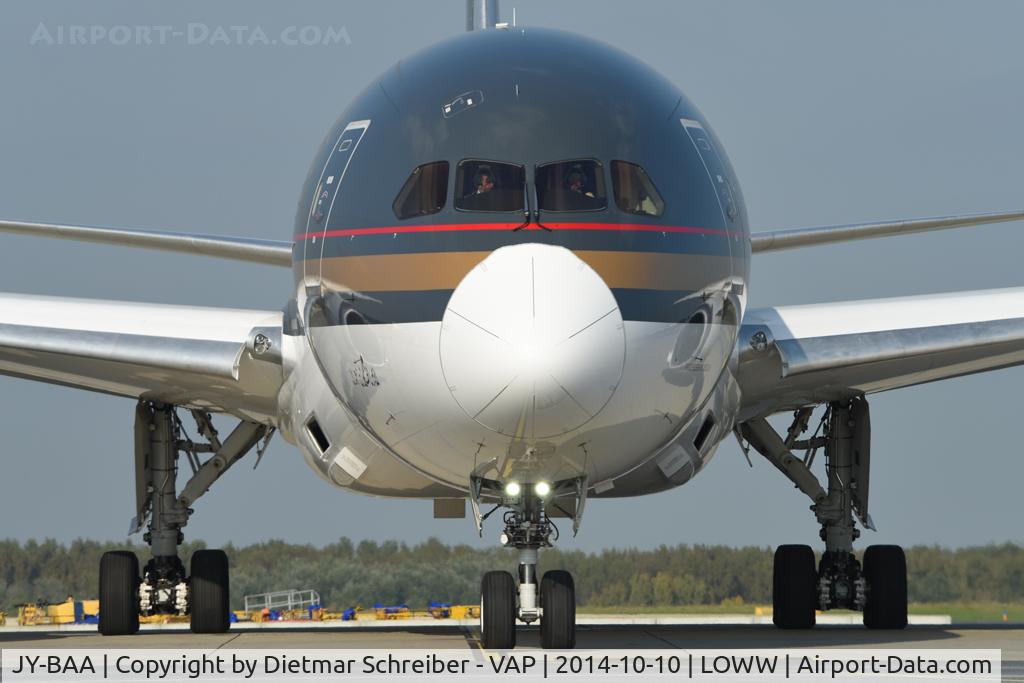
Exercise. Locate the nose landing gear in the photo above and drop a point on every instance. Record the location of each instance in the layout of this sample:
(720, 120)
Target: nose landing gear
(505, 599)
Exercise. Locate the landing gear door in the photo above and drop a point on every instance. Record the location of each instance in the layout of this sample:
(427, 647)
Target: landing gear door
(331, 177)
(861, 474)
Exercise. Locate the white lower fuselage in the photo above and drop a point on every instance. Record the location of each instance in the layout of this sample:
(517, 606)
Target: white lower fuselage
(532, 375)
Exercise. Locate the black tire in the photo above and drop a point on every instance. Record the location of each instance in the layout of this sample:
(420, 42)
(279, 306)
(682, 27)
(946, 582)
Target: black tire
(794, 587)
(885, 570)
(498, 611)
(558, 600)
(119, 593)
(209, 592)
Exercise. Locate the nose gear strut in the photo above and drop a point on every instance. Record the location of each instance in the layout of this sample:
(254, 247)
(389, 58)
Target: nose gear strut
(504, 598)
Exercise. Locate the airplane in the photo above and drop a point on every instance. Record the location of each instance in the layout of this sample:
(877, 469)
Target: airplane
(520, 283)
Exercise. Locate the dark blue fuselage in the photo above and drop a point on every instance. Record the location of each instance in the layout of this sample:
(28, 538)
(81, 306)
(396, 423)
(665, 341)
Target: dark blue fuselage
(526, 97)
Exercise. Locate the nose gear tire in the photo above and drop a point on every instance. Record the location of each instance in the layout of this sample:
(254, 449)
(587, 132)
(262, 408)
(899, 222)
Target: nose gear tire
(558, 600)
(498, 611)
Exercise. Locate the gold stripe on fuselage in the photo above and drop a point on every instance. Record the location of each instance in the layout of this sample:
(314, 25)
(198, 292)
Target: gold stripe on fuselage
(445, 270)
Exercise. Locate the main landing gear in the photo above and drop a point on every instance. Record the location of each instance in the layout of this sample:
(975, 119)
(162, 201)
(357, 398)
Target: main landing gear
(163, 586)
(877, 585)
(506, 599)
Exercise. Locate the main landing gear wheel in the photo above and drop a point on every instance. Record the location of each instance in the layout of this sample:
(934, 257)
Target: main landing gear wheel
(794, 587)
(558, 600)
(209, 592)
(885, 570)
(119, 593)
(498, 611)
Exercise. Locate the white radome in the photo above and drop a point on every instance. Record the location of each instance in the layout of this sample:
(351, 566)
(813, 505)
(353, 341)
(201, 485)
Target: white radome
(532, 342)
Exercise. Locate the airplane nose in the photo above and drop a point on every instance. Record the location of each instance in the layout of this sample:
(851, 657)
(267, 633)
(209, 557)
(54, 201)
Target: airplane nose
(532, 342)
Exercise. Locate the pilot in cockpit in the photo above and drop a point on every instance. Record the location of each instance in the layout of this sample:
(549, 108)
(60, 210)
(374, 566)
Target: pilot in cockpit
(576, 181)
(484, 181)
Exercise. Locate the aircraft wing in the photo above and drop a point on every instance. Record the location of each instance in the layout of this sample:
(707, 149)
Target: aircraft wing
(270, 252)
(791, 238)
(793, 356)
(220, 360)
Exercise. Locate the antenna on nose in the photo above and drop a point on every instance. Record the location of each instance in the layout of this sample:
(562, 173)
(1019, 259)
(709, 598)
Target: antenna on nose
(481, 14)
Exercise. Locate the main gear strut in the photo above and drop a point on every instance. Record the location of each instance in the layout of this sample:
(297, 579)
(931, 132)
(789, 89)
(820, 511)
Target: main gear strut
(164, 587)
(840, 581)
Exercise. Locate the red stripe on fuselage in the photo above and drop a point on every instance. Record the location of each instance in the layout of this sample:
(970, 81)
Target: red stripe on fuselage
(457, 227)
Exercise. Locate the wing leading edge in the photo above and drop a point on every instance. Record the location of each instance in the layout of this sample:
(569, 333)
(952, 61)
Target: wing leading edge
(777, 240)
(215, 359)
(270, 252)
(803, 355)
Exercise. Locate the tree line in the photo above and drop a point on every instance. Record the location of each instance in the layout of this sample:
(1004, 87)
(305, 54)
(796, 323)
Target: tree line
(348, 574)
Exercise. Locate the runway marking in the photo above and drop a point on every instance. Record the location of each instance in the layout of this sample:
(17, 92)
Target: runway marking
(472, 639)
(229, 640)
(1015, 669)
(664, 640)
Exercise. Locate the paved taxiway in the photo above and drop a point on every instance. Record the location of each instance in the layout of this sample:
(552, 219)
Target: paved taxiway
(1007, 637)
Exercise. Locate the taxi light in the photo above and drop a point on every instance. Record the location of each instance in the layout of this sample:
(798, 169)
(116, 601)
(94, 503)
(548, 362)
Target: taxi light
(512, 489)
(542, 488)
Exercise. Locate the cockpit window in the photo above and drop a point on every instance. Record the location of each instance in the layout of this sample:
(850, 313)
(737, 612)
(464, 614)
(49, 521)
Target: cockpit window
(634, 191)
(489, 186)
(425, 192)
(576, 185)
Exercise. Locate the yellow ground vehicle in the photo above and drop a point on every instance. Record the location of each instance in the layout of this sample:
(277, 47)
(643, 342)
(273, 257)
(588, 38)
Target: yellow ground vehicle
(465, 611)
(70, 611)
(392, 611)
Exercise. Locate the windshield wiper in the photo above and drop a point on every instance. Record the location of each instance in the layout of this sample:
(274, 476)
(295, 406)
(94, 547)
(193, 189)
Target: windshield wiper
(526, 210)
(529, 210)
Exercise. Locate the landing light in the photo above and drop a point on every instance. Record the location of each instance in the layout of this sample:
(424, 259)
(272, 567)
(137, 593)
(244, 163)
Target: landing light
(512, 489)
(542, 488)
